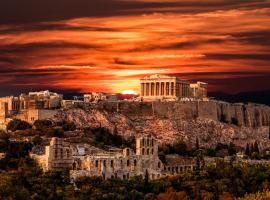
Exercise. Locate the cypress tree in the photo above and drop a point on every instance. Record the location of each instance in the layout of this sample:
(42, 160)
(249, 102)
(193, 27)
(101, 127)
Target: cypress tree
(256, 147)
(247, 151)
(197, 144)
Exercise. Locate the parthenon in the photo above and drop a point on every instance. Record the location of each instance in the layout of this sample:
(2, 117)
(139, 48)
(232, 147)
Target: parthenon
(171, 88)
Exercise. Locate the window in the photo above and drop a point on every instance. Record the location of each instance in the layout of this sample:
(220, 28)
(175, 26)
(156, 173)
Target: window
(152, 151)
(104, 163)
(127, 152)
(142, 151)
(135, 163)
(152, 142)
(96, 163)
(55, 153)
(68, 153)
(112, 164)
(147, 152)
(61, 153)
(127, 163)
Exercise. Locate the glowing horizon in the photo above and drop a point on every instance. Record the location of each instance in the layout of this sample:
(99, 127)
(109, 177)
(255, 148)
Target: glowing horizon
(223, 43)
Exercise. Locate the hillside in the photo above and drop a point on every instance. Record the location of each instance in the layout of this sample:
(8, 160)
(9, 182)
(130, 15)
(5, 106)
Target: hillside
(210, 122)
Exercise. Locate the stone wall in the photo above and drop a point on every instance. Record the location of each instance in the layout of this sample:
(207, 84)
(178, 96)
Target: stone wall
(249, 115)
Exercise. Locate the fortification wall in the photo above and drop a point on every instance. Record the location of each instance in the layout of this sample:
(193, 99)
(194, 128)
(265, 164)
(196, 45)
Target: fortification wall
(249, 115)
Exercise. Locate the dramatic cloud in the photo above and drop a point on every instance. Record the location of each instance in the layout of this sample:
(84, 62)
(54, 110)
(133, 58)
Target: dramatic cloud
(107, 45)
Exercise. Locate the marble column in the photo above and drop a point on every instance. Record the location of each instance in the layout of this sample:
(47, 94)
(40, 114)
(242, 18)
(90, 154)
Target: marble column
(142, 89)
(155, 89)
(170, 89)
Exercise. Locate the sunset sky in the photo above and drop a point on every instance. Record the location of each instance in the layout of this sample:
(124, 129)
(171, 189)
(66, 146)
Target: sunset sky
(107, 45)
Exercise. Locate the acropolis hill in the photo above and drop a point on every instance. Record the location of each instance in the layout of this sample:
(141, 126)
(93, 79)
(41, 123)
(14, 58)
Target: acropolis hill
(210, 121)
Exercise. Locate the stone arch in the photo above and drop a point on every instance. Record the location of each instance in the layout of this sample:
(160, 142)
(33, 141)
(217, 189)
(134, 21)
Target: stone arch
(112, 163)
(74, 166)
(127, 152)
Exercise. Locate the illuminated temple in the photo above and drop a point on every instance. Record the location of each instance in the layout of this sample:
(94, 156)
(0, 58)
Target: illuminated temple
(170, 88)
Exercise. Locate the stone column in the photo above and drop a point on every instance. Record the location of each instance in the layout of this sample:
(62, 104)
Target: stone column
(155, 88)
(147, 89)
(170, 88)
(142, 89)
(159, 88)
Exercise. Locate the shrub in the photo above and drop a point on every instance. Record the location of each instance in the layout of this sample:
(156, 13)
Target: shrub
(17, 124)
(69, 126)
(42, 124)
(235, 121)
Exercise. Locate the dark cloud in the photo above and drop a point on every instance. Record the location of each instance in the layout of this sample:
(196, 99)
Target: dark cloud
(29, 11)
(15, 29)
(235, 56)
(32, 47)
(260, 37)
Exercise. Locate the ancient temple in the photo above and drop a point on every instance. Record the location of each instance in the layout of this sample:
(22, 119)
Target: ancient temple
(163, 87)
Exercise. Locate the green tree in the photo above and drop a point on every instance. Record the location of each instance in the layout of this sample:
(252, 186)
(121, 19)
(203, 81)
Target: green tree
(4, 141)
(231, 149)
(256, 147)
(17, 124)
(69, 126)
(247, 151)
(42, 125)
(37, 140)
(197, 146)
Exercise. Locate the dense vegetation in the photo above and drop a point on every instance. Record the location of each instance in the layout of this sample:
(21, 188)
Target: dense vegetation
(102, 137)
(21, 178)
(224, 181)
(17, 124)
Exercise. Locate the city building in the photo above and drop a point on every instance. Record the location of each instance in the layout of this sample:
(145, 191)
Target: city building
(94, 97)
(170, 88)
(12, 103)
(40, 100)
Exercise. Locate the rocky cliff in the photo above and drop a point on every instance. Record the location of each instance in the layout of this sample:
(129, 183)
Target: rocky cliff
(211, 122)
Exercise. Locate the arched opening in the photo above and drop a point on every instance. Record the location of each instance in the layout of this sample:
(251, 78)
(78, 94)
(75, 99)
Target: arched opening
(142, 151)
(143, 142)
(152, 151)
(147, 152)
(73, 166)
(104, 163)
(55, 153)
(68, 153)
(96, 163)
(127, 163)
(112, 164)
(127, 152)
(61, 153)
(152, 142)
(135, 163)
